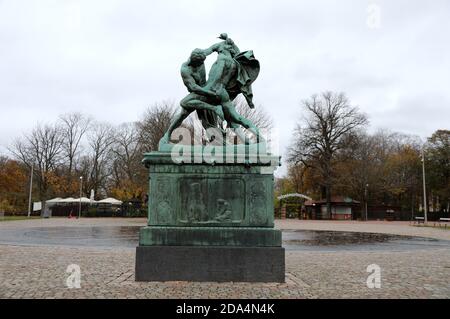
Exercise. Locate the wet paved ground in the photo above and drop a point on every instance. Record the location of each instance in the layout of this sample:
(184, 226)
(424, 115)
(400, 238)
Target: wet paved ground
(320, 240)
(411, 267)
(98, 236)
(295, 240)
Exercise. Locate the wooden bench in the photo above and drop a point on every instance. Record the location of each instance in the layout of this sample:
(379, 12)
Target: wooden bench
(444, 220)
(419, 220)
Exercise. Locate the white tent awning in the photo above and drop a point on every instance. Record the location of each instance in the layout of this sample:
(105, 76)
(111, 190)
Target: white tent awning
(54, 200)
(110, 200)
(67, 200)
(71, 200)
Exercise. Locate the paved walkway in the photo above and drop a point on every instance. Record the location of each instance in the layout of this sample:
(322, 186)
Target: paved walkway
(396, 228)
(40, 272)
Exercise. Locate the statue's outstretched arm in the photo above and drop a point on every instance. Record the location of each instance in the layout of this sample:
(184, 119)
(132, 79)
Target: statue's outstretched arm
(211, 49)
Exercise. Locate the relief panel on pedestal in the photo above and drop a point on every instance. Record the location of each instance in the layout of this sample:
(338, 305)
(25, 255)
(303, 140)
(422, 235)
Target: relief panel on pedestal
(211, 202)
(161, 201)
(258, 203)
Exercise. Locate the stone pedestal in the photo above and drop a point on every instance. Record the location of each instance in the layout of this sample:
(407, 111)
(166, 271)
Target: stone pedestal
(210, 218)
(208, 263)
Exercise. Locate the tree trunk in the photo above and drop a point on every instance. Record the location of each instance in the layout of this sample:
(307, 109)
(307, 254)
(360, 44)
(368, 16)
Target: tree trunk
(43, 198)
(328, 199)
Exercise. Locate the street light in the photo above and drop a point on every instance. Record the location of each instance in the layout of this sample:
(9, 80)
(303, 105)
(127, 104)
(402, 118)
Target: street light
(81, 189)
(425, 206)
(365, 195)
(31, 189)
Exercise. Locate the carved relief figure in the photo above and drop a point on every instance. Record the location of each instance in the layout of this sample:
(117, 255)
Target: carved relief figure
(258, 213)
(224, 212)
(164, 213)
(196, 207)
(164, 209)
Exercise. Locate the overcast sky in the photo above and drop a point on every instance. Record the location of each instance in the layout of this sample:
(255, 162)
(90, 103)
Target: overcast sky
(112, 59)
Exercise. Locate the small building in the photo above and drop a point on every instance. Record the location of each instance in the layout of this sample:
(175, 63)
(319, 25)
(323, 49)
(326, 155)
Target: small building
(342, 208)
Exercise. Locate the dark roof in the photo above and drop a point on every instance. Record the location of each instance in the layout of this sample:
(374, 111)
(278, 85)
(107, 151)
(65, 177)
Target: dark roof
(334, 200)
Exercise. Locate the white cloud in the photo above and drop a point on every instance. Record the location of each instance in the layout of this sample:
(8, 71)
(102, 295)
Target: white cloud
(111, 59)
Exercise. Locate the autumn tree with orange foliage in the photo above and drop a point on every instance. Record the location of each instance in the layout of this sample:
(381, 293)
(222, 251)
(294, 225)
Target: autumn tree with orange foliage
(13, 185)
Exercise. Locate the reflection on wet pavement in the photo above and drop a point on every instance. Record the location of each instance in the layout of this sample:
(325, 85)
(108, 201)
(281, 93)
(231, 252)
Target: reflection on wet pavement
(312, 240)
(104, 236)
(303, 240)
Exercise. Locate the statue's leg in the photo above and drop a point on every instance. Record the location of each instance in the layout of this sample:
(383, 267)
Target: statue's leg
(176, 122)
(198, 102)
(186, 109)
(189, 104)
(239, 132)
(212, 131)
(235, 118)
(241, 120)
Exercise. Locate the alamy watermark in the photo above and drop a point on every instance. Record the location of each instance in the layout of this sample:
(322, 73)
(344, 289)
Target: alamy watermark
(73, 281)
(374, 279)
(373, 16)
(223, 147)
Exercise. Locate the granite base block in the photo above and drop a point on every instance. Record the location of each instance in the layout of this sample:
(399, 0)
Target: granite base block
(210, 264)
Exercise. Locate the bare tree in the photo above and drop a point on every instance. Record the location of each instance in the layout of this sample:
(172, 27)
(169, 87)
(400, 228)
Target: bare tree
(127, 149)
(42, 148)
(128, 175)
(100, 139)
(154, 124)
(360, 167)
(329, 121)
(73, 127)
(257, 115)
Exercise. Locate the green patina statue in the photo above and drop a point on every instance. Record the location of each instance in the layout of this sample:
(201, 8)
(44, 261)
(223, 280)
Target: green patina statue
(210, 207)
(232, 73)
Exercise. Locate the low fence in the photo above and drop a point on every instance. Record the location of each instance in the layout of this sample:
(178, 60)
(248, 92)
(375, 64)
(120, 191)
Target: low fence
(99, 211)
(125, 210)
(404, 216)
(393, 213)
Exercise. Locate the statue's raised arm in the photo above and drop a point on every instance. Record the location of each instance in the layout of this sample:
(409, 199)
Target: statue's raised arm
(227, 45)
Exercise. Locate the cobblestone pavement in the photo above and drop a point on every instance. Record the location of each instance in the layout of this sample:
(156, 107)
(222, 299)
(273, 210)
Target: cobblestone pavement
(40, 271)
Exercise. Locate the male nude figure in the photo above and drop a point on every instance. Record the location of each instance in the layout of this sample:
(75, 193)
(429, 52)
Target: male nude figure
(194, 78)
(222, 80)
(214, 96)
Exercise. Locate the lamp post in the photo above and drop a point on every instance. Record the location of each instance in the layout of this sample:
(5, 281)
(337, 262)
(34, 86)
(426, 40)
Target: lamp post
(365, 196)
(31, 189)
(81, 189)
(425, 205)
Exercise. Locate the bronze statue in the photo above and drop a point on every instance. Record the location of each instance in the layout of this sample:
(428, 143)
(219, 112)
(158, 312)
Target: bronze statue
(231, 74)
